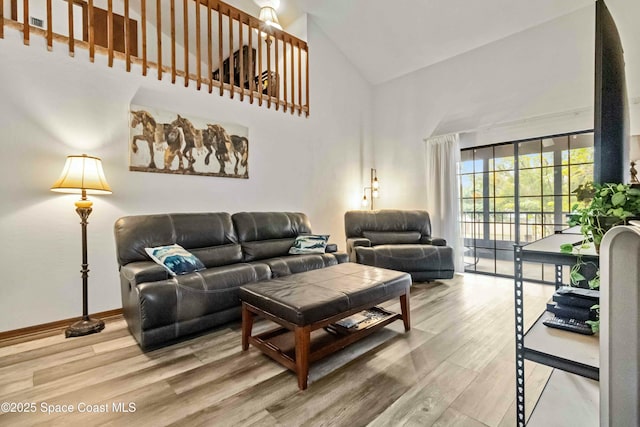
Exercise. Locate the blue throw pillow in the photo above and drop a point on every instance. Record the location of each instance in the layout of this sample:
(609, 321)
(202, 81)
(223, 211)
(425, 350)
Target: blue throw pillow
(309, 244)
(176, 259)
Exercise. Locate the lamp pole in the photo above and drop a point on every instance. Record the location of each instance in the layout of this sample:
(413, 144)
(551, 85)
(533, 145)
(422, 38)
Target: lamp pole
(86, 325)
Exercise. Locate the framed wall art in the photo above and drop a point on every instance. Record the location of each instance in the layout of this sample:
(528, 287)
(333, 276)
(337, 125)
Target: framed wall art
(167, 142)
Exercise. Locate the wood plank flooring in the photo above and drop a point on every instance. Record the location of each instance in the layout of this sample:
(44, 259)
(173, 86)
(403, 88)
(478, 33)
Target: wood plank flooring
(454, 368)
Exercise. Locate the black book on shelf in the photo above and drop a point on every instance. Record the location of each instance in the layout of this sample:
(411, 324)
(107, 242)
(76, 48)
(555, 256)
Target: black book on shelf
(568, 312)
(587, 294)
(572, 301)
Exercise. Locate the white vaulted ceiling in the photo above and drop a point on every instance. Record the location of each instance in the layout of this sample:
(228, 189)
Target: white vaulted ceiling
(386, 39)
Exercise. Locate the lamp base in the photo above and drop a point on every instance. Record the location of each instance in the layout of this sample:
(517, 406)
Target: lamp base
(84, 327)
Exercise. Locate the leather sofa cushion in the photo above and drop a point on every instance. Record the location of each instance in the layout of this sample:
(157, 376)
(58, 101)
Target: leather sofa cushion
(266, 249)
(252, 226)
(196, 294)
(291, 264)
(215, 256)
(311, 296)
(189, 230)
(407, 257)
(392, 237)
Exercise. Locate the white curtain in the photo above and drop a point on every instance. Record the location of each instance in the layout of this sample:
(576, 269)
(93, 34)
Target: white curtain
(442, 154)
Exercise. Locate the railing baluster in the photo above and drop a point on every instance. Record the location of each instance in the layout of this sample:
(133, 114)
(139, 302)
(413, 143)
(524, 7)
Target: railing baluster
(240, 58)
(143, 11)
(277, 88)
(127, 36)
(299, 79)
(209, 47)
(252, 67)
(49, 26)
(220, 77)
(259, 82)
(284, 79)
(159, 37)
(231, 76)
(25, 24)
(259, 66)
(110, 30)
(92, 46)
(306, 51)
(293, 83)
(71, 35)
(185, 12)
(269, 41)
(173, 41)
(198, 46)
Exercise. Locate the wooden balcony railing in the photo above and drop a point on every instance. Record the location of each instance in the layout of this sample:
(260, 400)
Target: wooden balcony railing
(208, 42)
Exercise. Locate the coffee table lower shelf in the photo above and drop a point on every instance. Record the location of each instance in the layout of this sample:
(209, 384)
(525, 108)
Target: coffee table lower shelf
(280, 343)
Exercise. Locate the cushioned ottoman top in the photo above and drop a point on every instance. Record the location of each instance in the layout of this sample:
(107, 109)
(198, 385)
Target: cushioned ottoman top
(308, 297)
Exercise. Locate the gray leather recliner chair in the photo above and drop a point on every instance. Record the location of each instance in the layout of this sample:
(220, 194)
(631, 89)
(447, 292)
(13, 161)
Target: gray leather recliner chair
(398, 240)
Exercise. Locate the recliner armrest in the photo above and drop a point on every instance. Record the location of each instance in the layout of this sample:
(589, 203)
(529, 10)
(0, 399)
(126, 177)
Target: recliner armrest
(357, 241)
(352, 242)
(331, 248)
(435, 241)
(143, 271)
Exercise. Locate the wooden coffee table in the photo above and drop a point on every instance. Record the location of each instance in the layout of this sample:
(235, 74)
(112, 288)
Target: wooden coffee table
(307, 306)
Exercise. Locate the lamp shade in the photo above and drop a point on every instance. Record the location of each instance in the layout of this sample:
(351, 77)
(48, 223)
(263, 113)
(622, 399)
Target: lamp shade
(82, 173)
(269, 17)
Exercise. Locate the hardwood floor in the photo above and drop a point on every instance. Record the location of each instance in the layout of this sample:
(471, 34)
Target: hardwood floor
(454, 368)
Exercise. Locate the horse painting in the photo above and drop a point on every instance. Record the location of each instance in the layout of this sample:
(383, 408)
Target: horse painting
(189, 139)
(175, 145)
(219, 140)
(192, 139)
(148, 133)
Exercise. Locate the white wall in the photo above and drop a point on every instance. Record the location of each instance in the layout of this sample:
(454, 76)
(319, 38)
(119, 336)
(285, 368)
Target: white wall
(547, 69)
(53, 105)
(534, 83)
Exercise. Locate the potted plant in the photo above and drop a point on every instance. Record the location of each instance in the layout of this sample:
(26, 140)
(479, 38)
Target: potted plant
(602, 206)
(599, 207)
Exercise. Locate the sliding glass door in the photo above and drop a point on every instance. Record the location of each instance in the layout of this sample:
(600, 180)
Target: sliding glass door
(519, 192)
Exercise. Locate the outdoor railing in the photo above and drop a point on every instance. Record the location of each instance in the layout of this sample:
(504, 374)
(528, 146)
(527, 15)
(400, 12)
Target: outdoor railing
(207, 42)
(534, 225)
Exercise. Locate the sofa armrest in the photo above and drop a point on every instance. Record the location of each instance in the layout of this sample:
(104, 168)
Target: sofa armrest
(331, 248)
(435, 241)
(357, 241)
(143, 271)
(353, 242)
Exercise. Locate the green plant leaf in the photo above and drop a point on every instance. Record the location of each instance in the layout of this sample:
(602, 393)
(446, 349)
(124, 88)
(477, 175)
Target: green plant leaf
(595, 325)
(618, 198)
(576, 277)
(566, 248)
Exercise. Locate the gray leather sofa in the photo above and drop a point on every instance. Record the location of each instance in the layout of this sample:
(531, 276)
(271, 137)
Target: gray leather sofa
(398, 240)
(236, 249)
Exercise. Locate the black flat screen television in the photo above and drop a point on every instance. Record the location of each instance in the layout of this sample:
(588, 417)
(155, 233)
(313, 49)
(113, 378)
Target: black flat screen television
(611, 109)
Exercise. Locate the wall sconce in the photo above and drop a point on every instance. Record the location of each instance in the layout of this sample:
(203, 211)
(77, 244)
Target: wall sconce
(373, 189)
(269, 17)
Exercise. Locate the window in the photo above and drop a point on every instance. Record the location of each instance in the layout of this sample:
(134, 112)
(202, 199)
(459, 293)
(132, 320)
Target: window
(519, 192)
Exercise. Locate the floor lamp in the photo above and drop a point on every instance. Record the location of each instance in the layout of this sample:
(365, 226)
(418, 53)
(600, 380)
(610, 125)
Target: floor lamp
(83, 175)
(373, 189)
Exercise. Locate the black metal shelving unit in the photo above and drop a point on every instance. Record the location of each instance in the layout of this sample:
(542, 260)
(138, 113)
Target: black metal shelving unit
(569, 352)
